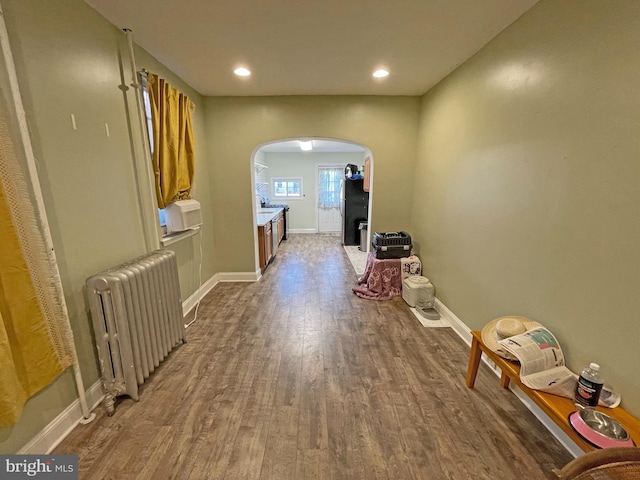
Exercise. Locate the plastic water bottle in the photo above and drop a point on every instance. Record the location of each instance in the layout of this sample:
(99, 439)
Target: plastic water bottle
(589, 386)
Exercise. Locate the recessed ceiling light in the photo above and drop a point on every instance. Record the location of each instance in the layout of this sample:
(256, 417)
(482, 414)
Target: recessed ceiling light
(381, 73)
(242, 72)
(306, 146)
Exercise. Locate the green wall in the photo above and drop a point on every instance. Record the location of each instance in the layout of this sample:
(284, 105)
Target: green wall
(237, 125)
(69, 60)
(526, 199)
(188, 250)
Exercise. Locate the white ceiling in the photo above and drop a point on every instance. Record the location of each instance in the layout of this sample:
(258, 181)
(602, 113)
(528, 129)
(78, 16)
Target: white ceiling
(304, 47)
(319, 146)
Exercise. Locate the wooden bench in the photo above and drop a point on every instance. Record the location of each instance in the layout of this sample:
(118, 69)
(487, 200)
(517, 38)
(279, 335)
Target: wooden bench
(557, 408)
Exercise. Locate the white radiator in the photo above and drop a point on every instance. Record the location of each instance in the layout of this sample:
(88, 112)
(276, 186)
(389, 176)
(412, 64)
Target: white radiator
(137, 320)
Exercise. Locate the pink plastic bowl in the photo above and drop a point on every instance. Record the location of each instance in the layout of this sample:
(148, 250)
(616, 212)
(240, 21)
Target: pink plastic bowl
(599, 429)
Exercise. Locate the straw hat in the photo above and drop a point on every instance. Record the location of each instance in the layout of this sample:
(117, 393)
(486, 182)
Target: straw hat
(505, 327)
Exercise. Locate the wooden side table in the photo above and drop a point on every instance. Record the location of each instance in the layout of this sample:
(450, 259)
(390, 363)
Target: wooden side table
(555, 407)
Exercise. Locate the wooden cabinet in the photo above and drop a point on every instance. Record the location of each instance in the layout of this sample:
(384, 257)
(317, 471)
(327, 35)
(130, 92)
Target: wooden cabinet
(280, 226)
(261, 249)
(268, 241)
(265, 245)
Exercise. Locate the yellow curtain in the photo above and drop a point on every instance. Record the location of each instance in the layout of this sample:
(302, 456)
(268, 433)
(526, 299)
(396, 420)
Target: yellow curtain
(28, 356)
(173, 141)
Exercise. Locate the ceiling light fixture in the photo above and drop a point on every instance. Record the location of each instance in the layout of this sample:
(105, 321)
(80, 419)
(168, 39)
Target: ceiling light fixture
(242, 72)
(306, 146)
(380, 73)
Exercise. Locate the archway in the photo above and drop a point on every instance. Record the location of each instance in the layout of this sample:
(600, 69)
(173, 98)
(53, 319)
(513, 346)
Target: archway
(282, 173)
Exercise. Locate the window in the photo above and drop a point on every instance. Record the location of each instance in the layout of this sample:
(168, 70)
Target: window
(147, 113)
(289, 188)
(330, 179)
(147, 110)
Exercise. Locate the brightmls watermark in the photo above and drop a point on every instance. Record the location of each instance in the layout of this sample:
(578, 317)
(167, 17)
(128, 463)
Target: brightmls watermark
(50, 467)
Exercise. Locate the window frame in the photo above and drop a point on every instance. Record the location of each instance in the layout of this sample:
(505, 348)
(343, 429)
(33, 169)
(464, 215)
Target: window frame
(286, 197)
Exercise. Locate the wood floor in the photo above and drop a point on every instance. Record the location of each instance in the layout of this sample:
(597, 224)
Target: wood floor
(294, 377)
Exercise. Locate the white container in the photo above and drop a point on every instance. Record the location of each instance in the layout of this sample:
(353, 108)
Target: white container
(183, 215)
(418, 290)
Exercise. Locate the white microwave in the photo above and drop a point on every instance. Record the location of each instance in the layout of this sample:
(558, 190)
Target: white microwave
(183, 215)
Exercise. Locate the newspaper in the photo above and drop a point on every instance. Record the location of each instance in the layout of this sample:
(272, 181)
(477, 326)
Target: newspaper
(542, 366)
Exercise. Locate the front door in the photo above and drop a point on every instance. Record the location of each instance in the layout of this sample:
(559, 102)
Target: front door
(329, 217)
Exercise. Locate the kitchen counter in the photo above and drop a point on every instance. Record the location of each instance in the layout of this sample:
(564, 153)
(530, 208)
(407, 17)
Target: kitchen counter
(265, 215)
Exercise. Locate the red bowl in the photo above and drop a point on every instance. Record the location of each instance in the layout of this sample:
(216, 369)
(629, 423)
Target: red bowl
(599, 429)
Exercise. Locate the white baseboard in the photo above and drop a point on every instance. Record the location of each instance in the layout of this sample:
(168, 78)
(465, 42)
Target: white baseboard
(239, 276)
(221, 277)
(205, 288)
(458, 326)
(549, 424)
(464, 332)
(51, 435)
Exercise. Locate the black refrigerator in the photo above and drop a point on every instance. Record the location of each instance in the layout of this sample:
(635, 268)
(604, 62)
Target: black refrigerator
(354, 209)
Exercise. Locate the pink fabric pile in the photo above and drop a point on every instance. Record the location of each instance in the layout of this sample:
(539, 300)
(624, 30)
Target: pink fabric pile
(382, 279)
